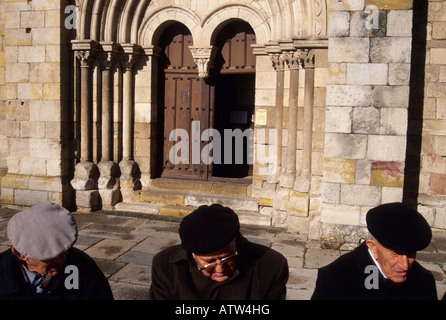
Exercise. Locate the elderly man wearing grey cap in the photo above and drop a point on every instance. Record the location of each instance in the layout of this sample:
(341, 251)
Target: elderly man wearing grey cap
(383, 267)
(215, 262)
(42, 263)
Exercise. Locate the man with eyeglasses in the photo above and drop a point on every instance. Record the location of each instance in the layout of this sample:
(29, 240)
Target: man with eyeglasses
(215, 262)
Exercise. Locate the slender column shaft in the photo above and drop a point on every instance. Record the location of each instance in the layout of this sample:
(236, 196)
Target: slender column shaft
(292, 122)
(107, 128)
(279, 115)
(278, 61)
(86, 150)
(308, 119)
(127, 115)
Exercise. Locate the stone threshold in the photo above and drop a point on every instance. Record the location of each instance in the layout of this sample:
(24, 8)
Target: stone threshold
(178, 198)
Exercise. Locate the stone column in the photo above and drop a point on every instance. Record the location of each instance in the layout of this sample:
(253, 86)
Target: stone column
(302, 183)
(288, 177)
(108, 182)
(130, 172)
(86, 172)
(278, 61)
(85, 58)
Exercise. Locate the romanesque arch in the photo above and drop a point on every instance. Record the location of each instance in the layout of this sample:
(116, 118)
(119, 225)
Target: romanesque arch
(117, 41)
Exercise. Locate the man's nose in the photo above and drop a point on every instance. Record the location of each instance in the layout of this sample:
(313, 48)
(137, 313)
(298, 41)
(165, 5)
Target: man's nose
(219, 267)
(404, 262)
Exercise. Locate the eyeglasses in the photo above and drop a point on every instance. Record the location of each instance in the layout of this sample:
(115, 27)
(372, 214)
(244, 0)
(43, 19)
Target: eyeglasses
(221, 261)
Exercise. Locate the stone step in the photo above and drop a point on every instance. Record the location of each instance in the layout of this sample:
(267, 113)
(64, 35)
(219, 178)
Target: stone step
(139, 207)
(195, 199)
(179, 198)
(143, 208)
(209, 187)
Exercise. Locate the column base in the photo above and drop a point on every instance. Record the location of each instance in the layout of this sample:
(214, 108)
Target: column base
(287, 179)
(87, 200)
(85, 182)
(302, 183)
(108, 184)
(86, 175)
(129, 180)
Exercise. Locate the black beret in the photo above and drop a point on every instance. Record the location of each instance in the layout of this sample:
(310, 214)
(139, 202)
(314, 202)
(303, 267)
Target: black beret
(208, 229)
(399, 227)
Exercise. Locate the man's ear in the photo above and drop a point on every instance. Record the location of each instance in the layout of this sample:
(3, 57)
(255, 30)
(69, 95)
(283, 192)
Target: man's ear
(373, 247)
(18, 254)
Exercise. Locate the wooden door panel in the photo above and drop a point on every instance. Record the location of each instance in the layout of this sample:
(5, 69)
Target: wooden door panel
(191, 113)
(169, 115)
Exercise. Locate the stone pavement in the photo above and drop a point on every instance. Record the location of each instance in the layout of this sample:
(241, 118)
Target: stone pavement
(123, 246)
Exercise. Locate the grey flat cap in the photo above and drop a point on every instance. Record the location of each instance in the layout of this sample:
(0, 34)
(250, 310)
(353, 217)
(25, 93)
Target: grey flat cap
(42, 232)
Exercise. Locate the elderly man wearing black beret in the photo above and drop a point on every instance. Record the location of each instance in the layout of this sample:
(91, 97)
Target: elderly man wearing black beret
(42, 263)
(214, 261)
(383, 267)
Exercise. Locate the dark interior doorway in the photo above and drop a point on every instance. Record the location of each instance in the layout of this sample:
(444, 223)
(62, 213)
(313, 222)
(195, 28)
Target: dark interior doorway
(234, 80)
(234, 109)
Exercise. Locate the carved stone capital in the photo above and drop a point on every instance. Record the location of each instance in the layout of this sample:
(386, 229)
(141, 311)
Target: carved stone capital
(85, 57)
(130, 56)
(85, 51)
(278, 60)
(109, 55)
(306, 57)
(108, 59)
(293, 59)
(204, 58)
(128, 60)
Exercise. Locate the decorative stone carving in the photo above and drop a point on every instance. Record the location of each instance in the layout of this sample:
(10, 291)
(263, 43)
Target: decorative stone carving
(86, 176)
(204, 58)
(85, 58)
(306, 58)
(278, 60)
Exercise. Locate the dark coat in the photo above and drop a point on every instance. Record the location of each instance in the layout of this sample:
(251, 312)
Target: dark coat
(345, 279)
(93, 285)
(261, 273)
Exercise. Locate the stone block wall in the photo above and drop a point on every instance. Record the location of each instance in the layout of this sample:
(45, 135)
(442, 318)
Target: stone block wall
(4, 146)
(35, 80)
(369, 56)
(432, 186)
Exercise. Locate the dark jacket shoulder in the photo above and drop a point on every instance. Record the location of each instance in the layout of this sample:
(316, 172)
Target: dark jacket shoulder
(86, 279)
(345, 278)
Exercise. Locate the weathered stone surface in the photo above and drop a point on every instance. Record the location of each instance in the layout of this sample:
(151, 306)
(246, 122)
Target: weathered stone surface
(298, 204)
(348, 49)
(350, 146)
(386, 148)
(339, 170)
(399, 23)
(87, 200)
(85, 176)
(390, 49)
(387, 173)
(438, 184)
(340, 214)
(367, 73)
(390, 4)
(390, 96)
(366, 120)
(338, 119)
(349, 95)
(339, 23)
(360, 195)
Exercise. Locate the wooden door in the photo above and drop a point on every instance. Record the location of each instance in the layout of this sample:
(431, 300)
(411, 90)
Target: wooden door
(186, 112)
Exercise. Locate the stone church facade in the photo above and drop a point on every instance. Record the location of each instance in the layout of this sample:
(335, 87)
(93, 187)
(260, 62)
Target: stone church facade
(338, 106)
